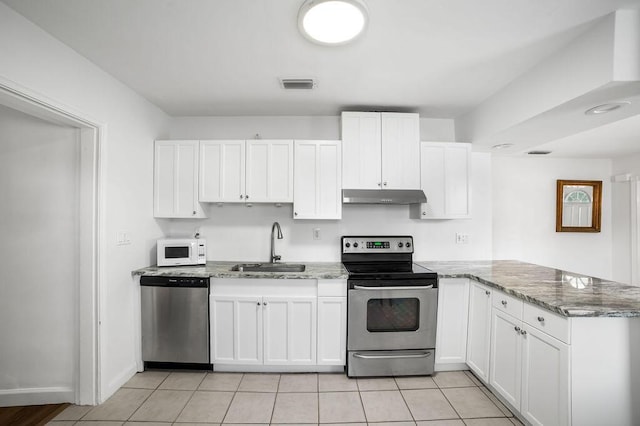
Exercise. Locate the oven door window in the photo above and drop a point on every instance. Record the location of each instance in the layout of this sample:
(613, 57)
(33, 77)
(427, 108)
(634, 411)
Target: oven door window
(177, 252)
(393, 314)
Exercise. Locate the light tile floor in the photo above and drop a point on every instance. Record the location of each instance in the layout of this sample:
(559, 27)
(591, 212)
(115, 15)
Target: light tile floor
(155, 398)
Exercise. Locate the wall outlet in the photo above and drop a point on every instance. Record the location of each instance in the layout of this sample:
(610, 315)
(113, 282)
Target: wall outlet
(462, 238)
(123, 238)
(316, 233)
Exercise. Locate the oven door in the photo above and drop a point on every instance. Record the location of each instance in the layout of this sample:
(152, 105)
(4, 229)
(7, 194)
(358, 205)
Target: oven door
(390, 316)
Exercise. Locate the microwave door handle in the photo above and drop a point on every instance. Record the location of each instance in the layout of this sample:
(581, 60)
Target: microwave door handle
(359, 287)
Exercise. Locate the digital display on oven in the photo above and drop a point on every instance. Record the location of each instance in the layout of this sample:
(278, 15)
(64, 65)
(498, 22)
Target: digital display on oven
(378, 244)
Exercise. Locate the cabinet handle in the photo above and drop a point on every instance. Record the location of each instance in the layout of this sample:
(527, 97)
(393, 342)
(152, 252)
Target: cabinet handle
(487, 292)
(517, 329)
(504, 303)
(541, 319)
(523, 332)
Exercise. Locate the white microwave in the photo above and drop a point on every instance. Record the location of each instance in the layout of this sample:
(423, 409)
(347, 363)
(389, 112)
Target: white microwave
(180, 252)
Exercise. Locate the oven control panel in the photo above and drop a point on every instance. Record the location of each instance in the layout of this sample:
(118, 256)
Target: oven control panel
(377, 245)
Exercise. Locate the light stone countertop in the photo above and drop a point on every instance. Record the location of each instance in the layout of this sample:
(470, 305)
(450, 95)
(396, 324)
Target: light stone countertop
(562, 292)
(314, 270)
(565, 293)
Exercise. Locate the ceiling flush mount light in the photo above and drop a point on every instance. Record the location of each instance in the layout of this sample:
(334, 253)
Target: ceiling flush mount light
(332, 22)
(539, 152)
(605, 108)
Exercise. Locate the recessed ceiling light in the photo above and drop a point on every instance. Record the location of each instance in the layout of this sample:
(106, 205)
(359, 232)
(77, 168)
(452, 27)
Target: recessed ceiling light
(605, 108)
(502, 146)
(332, 22)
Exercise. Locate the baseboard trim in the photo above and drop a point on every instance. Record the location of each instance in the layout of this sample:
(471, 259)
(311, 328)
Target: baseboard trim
(36, 396)
(237, 368)
(117, 383)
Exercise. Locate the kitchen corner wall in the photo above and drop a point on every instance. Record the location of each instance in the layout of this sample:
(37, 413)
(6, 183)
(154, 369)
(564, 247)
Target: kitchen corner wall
(236, 232)
(524, 214)
(622, 199)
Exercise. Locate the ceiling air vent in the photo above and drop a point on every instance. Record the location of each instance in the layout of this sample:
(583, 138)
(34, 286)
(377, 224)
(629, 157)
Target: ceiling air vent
(298, 83)
(539, 152)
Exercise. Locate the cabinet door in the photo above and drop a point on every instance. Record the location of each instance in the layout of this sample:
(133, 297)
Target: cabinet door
(269, 171)
(176, 179)
(361, 150)
(400, 136)
(236, 330)
(222, 171)
(479, 332)
(451, 334)
(332, 330)
(290, 330)
(445, 174)
(545, 379)
(317, 173)
(506, 357)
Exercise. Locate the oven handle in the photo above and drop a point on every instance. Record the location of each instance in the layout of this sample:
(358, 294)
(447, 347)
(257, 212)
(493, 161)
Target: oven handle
(422, 355)
(359, 287)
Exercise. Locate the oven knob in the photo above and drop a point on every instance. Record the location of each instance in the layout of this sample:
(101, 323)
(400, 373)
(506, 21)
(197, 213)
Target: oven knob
(400, 245)
(347, 245)
(408, 244)
(355, 244)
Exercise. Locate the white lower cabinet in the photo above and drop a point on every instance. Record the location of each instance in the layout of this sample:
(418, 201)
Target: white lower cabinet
(479, 330)
(332, 330)
(530, 368)
(263, 321)
(451, 331)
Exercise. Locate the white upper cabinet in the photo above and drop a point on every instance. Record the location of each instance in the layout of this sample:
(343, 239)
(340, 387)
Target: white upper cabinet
(445, 173)
(175, 183)
(318, 171)
(381, 150)
(269, 171)
(255, 171)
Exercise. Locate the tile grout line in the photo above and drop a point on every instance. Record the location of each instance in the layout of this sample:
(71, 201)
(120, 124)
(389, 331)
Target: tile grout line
(405, 401)
(190, 398)
(226, 413)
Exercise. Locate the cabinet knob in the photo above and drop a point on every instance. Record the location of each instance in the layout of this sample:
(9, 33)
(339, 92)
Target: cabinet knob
(424, 213)
(541, 319)
(265, 303)
(504, 303)
(295, 213)
(258, 303)
(241, 196)
(487, 292)
(523, 332)
(384, 183)
(379, 184)
(246, 197)
(517, 329)
(194, 212)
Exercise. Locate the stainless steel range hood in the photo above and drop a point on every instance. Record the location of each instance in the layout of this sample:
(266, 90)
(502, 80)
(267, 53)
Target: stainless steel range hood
(383, 196)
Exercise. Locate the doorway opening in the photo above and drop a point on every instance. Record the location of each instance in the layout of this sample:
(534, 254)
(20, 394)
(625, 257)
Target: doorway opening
(51, 157)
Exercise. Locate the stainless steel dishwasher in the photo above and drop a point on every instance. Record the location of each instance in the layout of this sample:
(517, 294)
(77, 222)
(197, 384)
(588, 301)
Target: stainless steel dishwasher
(175, 320)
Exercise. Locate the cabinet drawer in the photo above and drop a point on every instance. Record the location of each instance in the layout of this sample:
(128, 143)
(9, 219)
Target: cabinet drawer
(547, 322)
(508, 304)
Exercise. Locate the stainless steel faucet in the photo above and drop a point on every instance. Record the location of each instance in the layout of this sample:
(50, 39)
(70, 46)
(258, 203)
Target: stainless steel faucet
(275, 257)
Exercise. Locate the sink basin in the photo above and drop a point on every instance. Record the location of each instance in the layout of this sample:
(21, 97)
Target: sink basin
(269, 267)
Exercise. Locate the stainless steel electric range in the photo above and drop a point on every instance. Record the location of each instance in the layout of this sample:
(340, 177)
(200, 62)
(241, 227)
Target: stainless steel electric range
(392, 308)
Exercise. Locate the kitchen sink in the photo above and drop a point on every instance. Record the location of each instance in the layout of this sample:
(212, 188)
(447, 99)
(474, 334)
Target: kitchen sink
(269, 267)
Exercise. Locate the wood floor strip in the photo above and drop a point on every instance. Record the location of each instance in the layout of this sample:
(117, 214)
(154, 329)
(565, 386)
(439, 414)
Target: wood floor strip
(32, 415)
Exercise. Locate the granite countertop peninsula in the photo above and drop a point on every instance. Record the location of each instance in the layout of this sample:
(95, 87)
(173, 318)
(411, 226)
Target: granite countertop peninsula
(565, 293)
(314, 270)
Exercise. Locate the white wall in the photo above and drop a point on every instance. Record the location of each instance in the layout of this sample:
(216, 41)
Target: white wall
(621, 202)
(38, 255)
(44, 67)
(524, 214)
(236, 232)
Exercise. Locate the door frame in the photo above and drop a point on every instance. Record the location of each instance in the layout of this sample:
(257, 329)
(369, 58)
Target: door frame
(90, 273)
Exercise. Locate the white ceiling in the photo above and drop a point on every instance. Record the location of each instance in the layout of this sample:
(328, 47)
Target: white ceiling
(224, 57)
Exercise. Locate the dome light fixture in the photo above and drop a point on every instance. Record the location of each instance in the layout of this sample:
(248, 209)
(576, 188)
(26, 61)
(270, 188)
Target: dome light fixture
(332, 22)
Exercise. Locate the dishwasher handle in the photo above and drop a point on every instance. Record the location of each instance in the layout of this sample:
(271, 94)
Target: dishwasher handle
(178, 282)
